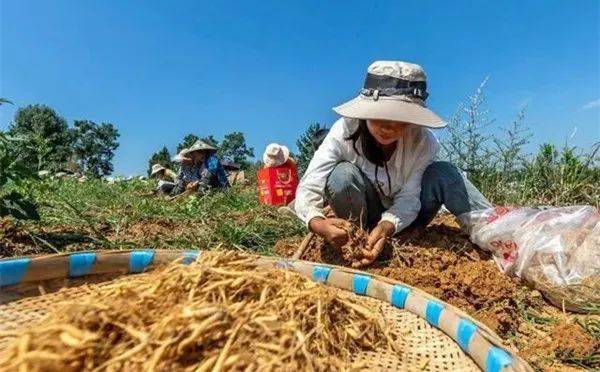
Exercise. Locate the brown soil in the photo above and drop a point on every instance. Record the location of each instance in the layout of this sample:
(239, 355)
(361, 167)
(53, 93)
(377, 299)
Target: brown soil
(475, 286)
(17, 239)
(147, 230)
(565, 340)
(444, 263)
(12, 240)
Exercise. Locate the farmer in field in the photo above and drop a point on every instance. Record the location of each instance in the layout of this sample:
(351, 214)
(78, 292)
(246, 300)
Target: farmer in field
(165, 176)
(377, 164)
(276, 155)
(202, 172)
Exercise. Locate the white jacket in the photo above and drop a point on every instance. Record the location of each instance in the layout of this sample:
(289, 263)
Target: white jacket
(413, 154)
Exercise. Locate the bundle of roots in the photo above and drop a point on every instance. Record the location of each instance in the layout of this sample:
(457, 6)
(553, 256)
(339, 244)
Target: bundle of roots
(357, 243)
(218, 313)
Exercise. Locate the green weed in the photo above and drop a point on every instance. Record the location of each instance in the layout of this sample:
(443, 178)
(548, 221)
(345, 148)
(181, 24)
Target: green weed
(233, 217)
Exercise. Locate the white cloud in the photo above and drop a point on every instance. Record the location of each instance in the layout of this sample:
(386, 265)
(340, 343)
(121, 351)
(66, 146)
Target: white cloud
(590, 105)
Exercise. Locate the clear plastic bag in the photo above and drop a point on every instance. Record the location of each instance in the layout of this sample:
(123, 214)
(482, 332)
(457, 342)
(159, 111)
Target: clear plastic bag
(556, 249)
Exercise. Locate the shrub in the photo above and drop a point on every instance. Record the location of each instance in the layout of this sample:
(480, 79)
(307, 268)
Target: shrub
(499, 167)
(13, 174)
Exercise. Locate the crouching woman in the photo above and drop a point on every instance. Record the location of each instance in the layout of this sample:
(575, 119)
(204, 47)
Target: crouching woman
(377, 164)
(201, 170)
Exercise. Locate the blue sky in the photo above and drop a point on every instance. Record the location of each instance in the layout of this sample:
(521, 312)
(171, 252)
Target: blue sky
(161, 69)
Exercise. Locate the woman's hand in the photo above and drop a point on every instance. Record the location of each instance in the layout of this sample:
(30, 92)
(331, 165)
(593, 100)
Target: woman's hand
(330, 229)
(376, 242)
(192, 185)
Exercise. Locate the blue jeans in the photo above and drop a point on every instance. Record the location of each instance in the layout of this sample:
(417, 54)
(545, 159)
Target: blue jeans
(352, 195)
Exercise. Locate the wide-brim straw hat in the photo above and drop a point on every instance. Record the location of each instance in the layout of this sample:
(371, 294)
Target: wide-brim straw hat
(198, 146)
(156, 168)
(393, 91)
(275, 155)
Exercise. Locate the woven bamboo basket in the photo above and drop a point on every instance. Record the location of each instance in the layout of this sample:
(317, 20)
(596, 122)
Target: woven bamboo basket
(438, 336)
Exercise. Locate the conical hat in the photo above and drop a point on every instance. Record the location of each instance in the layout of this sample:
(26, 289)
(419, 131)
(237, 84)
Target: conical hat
(198, 146)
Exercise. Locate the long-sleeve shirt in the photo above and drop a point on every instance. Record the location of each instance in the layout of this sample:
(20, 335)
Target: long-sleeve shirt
(208, 174)
(414, 152)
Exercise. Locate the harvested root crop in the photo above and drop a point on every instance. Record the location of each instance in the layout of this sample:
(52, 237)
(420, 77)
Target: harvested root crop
(352, 251)
(218, 313)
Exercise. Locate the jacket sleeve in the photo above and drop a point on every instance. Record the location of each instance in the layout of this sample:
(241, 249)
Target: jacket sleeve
(407, 202)
(310, 194)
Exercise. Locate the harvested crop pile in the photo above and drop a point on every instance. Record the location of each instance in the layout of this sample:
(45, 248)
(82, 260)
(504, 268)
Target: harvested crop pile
(218, 313)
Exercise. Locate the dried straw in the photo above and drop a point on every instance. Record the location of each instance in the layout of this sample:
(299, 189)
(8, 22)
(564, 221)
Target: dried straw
(219, 313)
(581, 298)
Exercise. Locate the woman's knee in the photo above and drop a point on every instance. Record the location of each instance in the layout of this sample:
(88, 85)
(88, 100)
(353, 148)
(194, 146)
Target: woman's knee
(441, 172)
(344, 192)
(342, 177)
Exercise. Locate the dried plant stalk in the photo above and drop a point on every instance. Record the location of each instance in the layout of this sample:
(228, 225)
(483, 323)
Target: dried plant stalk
(218, 313)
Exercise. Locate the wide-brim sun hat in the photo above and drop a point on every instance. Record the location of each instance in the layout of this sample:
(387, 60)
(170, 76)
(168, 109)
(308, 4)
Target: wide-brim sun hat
(156, 168)
(393, 91)
(198, 146)
(275, 155)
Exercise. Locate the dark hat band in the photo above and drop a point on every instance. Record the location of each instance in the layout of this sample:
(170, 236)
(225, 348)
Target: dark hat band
(384, 85)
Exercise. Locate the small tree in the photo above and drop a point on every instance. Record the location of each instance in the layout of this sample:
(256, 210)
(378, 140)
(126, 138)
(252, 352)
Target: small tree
(94, 146)
(509, 153)
(188, 141)
(466, 143)
(161, 157)
(307, 146)
(46, 138)
(234, 148)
